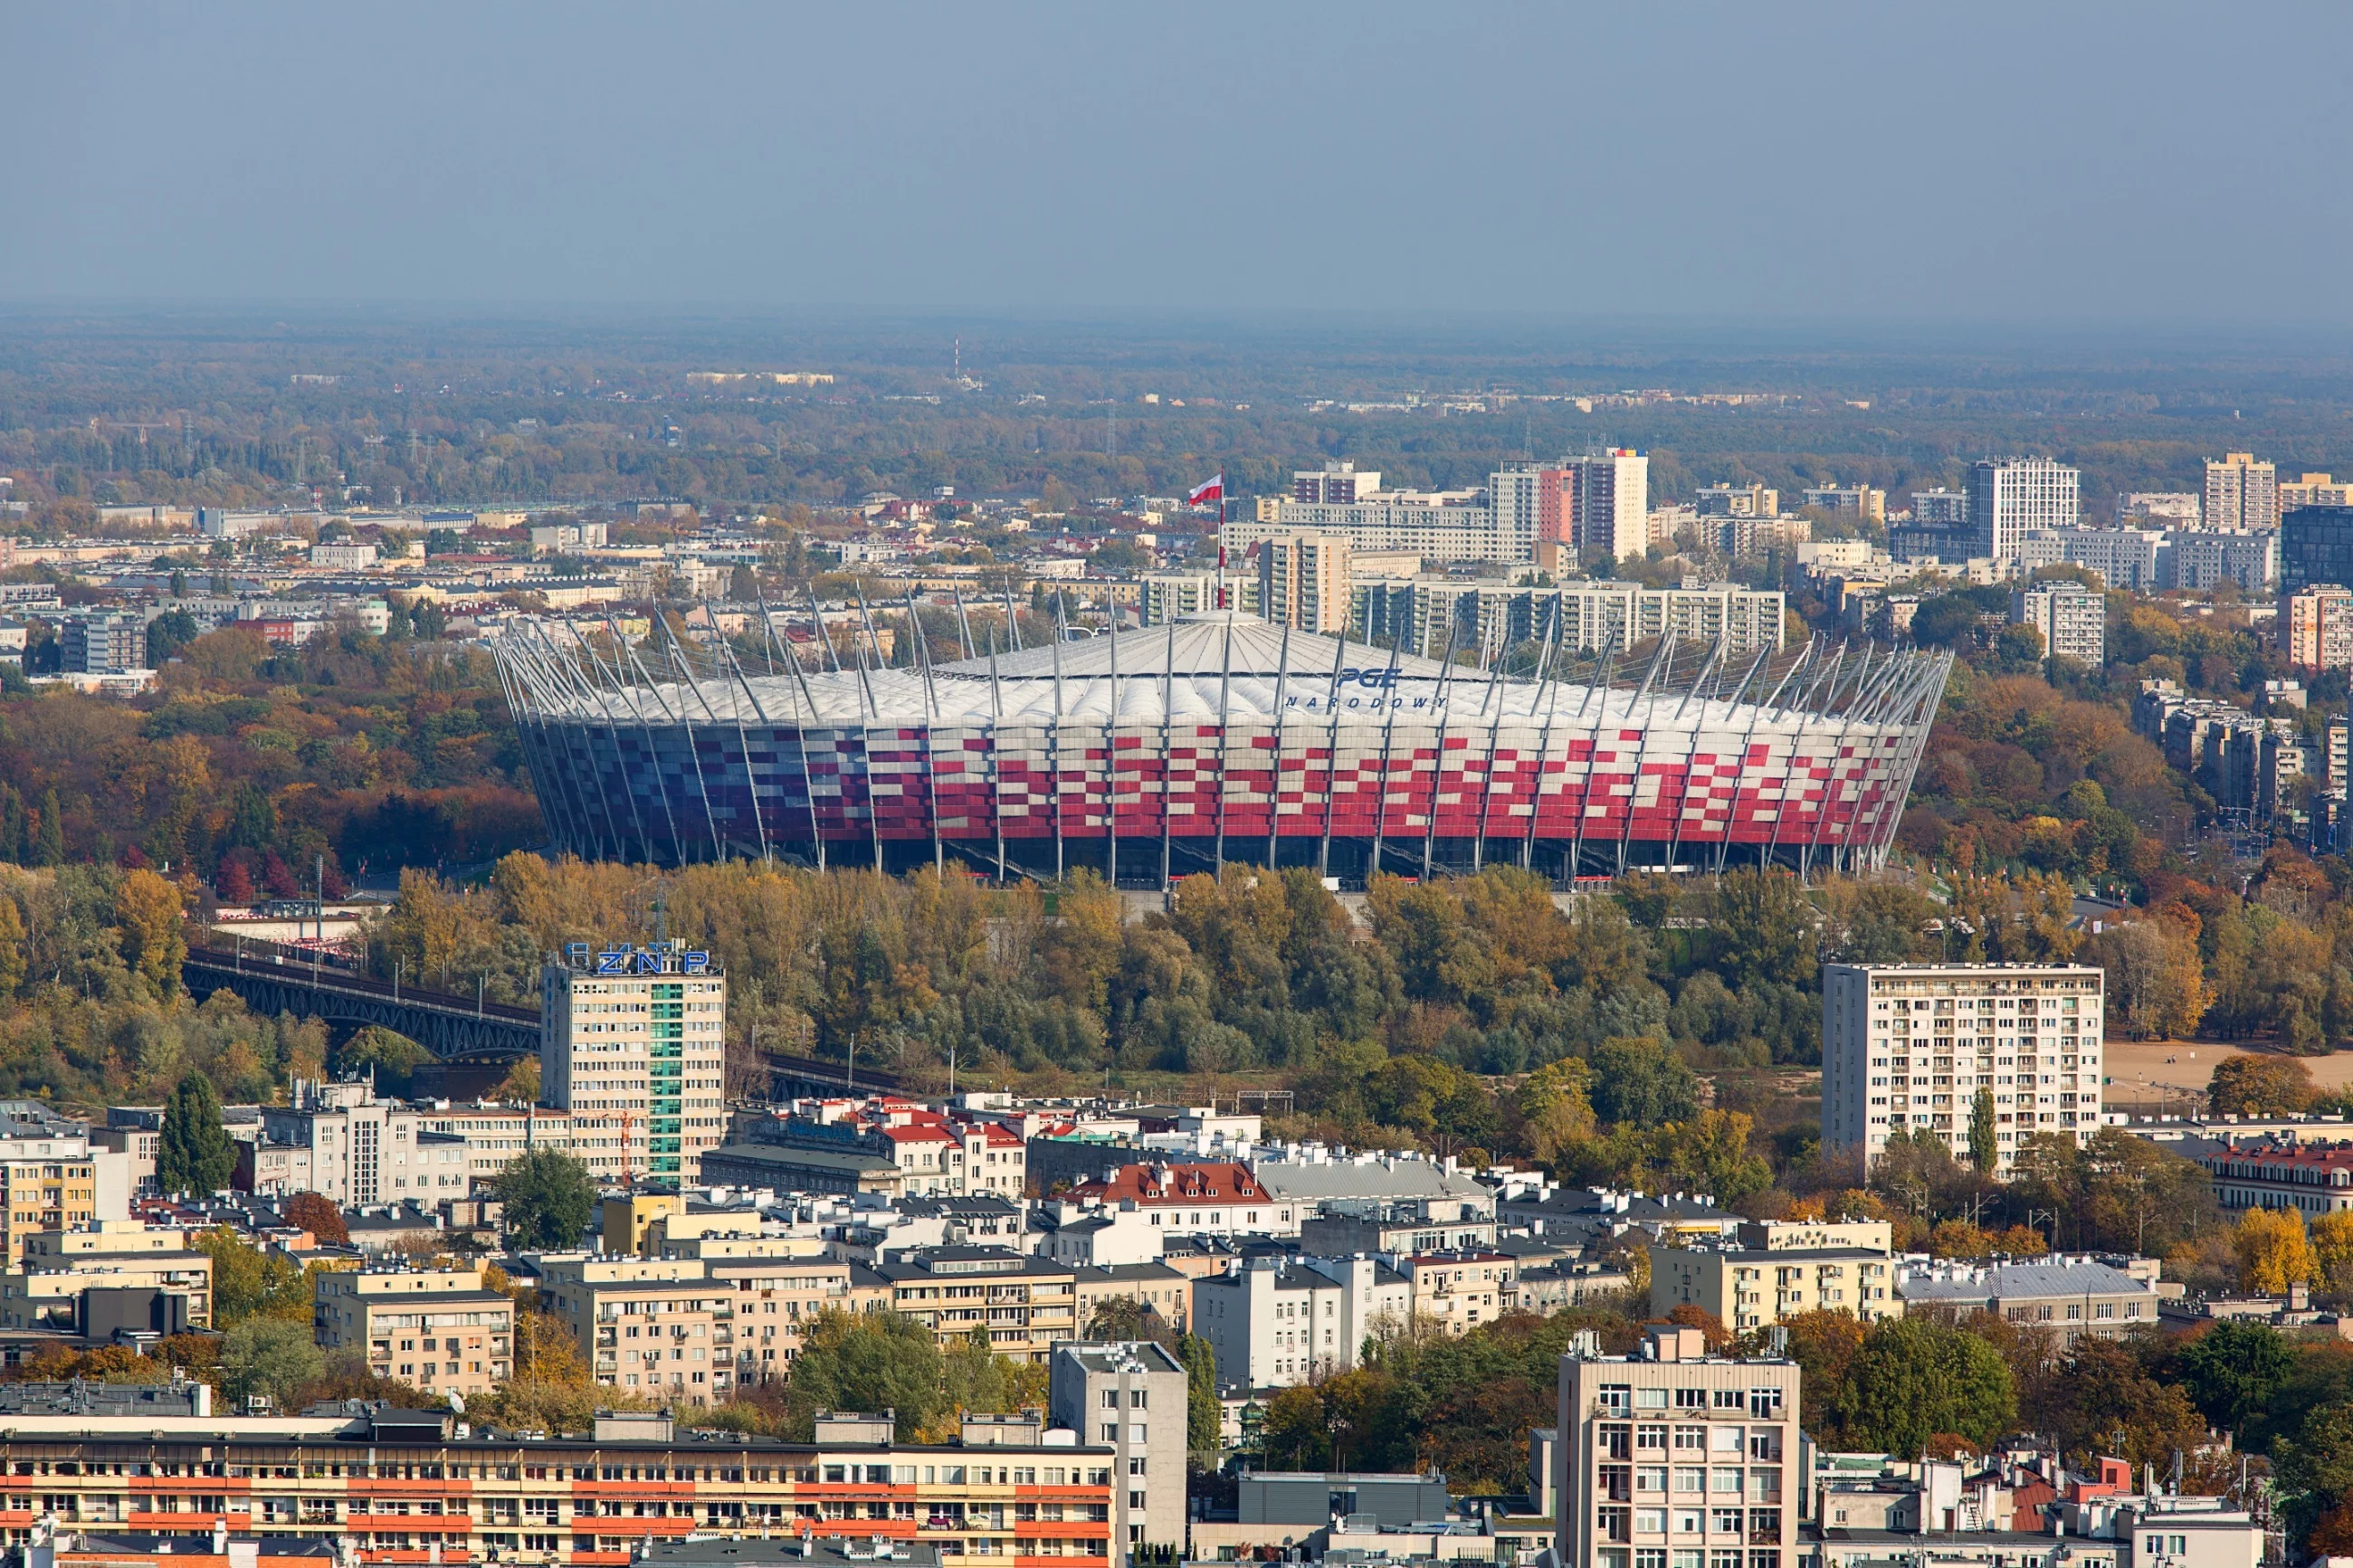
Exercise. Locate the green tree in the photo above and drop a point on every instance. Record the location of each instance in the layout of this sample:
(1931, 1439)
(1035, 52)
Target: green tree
(549, 1199)
(1203, 1416)
(1984, 1148)
(1642, 1082)
(1913, 1378)
(49, 843)
(2232, 1371)
(270, 1356)
(389, 1059)
(1767, 928)
(250, 1283)
(168, 634)
(195, 1154)
(871, 1361)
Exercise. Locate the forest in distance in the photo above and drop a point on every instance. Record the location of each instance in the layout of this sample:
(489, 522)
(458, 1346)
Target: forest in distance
(223, 410)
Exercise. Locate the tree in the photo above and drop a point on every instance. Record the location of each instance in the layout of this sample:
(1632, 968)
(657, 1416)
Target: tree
(1767, 928)
(195, 1154)
(1204, 1415)
(250, 1283)
(1984, 1149)
(2273, 1250)
(318, 1216)
(168, 633)
(147, 909)
(2261, 1086)
(1913, 1378)
(1556, 1108)
(871, 1361)
(1641, 1081)
(549, 1199)
(12, 948)
(2232, 1371)
(268, 1356)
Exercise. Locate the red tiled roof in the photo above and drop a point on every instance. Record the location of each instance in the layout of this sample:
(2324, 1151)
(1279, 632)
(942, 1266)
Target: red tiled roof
(1219, 1183)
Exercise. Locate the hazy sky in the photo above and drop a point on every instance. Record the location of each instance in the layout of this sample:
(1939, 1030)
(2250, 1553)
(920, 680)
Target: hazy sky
(1994, 162)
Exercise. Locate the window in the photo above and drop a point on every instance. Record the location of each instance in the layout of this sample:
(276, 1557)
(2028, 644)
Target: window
(1651, 1521)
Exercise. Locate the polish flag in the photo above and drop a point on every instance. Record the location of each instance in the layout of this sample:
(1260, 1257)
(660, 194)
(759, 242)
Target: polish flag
(1213, 491)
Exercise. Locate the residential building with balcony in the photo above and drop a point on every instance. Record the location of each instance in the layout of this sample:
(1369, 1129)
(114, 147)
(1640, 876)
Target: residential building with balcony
(386, 1486)
(1458, 1290)
(61, 1266)
(436, 1330)
(1675, 1450)
(1023, 1302)
(672, 1338)
(1753, 1288)
(1910, 1045)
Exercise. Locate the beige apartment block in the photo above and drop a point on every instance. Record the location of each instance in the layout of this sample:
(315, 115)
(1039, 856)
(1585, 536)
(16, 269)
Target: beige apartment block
(1673, 1451)
(1021, 1301)
(1752, 1287)
(439, 1330)
(674, 1338)
(60, 1264)
(777, 1301)
(46, 1183)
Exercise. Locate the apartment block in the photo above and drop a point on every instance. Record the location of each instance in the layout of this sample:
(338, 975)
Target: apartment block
(2315, 490)
(1736, 500)
(1672, 1450)
(1613, 501)
(439, 1330)
(1275, 1322)
(777, 1301)
(2241, 495)
(1334, 484)
(1853, 500)
(1303, 580)
(1022, 1302)
(1131, 1398)
(1755, 1288)
(102, 642)
(341, 1143)
(673, 1338)
(401, 1486)
(2009, 497)
(2315, 627)
(47, 1183)
(2072, 620)
(1910, 1045)
(634, 1037)
(153, 1279)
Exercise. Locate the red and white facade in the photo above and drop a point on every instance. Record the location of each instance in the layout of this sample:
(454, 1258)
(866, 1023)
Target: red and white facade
(1171, 749)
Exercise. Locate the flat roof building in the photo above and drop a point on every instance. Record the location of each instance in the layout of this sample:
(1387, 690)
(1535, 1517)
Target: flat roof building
(1914, 1045)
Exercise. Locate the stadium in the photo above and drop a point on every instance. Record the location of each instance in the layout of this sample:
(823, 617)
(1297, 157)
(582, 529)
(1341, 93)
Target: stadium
(1169, 750)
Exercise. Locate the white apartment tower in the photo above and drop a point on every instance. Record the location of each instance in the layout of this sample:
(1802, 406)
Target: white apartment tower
(1674, 1450)
(632, 1042)
(2009, 497)
(2241, 495)
(2072, 619)
(1910, 1045)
